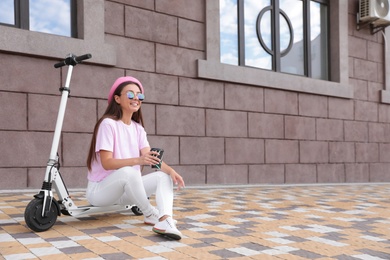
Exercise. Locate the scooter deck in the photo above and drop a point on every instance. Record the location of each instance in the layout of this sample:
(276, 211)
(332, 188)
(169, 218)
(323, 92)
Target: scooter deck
(90, 209)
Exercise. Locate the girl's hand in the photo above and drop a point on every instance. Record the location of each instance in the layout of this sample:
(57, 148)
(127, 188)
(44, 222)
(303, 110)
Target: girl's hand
(177, 180)
(149, 158)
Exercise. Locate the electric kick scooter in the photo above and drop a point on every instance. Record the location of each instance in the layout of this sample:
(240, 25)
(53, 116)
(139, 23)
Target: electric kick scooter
(41, 213)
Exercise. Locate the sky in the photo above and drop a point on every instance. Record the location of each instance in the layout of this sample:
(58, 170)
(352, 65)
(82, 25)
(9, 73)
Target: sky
(48, 16)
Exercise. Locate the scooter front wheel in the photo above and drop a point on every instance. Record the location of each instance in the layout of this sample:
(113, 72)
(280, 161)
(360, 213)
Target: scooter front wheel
(34, 219)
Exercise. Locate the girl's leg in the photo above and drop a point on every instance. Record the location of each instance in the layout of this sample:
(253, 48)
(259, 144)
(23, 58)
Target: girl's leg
(124, 186)
(161, 184)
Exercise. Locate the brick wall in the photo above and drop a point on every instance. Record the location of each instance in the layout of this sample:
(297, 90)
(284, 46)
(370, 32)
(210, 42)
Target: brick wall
(213, 132)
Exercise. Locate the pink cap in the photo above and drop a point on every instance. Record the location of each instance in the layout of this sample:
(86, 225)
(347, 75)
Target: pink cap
(122, 80)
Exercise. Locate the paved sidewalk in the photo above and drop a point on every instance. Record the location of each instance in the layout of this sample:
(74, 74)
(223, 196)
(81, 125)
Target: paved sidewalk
(246, 222)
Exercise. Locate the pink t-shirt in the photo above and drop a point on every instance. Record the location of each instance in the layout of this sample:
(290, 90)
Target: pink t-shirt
(124, 141)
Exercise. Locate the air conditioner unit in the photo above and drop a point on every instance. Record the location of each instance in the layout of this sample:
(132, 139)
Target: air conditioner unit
(375, 11)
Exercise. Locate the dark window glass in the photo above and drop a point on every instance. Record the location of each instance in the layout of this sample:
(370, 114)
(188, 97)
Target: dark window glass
(229, 32)
(292, 37)
(51, 16)
(319, 40)
(7, 12)
(255, 56)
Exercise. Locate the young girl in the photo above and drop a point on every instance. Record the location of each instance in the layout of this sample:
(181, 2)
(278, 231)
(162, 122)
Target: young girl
(119, 148)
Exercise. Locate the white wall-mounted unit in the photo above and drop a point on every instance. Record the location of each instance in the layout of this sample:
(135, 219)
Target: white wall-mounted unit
(375, 11)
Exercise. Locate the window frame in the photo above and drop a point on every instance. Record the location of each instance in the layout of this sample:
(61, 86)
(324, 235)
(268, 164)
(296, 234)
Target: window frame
(22, 14)
(90, 31)
(337, 85)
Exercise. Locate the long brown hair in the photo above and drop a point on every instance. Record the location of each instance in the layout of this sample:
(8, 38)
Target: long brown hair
(113, 111)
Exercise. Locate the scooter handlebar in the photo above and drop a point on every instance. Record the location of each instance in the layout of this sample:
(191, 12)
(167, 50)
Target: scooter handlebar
(72, 60)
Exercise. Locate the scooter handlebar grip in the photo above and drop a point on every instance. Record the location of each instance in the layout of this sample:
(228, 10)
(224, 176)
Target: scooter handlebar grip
(83, 57)
(59, 64)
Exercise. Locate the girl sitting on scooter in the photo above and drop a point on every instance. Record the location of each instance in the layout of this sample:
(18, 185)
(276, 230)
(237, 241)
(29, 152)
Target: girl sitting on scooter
(119, 148)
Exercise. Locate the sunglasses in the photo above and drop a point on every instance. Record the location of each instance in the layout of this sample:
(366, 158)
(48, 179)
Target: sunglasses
(131, 95)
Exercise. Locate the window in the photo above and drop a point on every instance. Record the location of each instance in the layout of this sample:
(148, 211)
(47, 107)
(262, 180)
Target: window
(90, 33)
(287, 36)
(54, 17)
(303, 50)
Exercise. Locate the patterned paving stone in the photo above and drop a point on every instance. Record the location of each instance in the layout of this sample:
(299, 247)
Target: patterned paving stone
(344, 222)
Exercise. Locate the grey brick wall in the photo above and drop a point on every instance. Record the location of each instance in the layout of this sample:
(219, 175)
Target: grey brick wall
(214, 132)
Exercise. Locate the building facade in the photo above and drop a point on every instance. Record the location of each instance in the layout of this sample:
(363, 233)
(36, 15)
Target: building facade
(218, 123)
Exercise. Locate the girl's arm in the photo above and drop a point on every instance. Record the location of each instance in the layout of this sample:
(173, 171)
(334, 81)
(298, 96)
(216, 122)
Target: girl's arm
(110, 163)
(176, 178)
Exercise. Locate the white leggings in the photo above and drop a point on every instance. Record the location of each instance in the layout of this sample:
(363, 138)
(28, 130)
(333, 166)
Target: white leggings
(126, 186)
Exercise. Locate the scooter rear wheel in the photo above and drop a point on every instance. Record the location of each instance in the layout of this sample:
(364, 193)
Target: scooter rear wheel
(137, 211)
(34, 219)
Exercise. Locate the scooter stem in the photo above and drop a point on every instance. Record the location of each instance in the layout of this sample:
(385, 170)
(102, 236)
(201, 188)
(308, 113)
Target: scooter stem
(61, 115)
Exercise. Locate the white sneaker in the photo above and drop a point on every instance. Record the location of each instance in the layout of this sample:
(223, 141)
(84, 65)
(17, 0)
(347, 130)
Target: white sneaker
(152, 219)
(168, 228)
